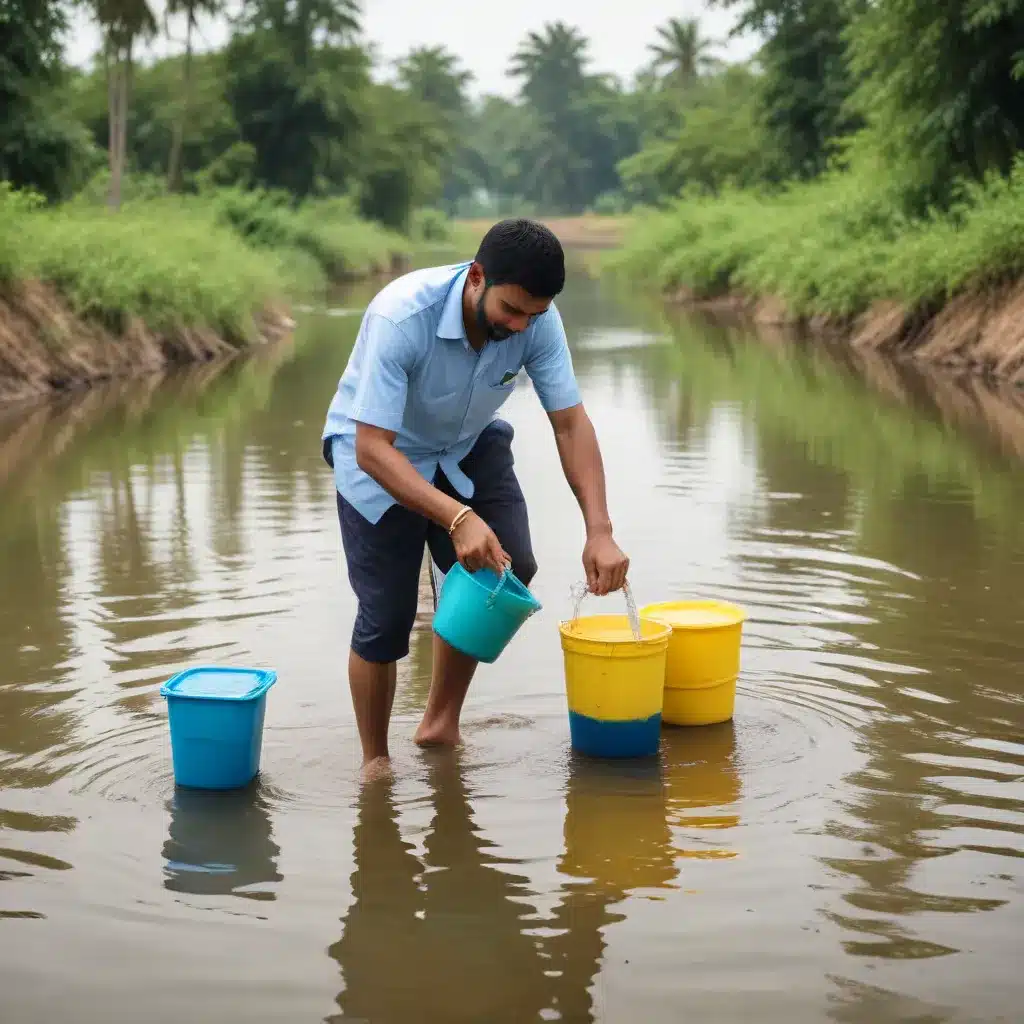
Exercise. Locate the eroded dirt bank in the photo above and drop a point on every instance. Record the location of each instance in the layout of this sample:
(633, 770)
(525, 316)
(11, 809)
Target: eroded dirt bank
(980, 333)
(46, 348)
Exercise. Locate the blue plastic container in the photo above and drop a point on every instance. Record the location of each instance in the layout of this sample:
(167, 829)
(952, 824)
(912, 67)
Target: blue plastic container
(216, 721)
(479, 613)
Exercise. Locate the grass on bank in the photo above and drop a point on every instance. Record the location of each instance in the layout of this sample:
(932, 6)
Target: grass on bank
(831, 247)
(327, 231)
(212, 261)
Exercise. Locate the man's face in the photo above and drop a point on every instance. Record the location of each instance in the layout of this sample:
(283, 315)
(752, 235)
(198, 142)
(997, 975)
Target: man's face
(505, 309)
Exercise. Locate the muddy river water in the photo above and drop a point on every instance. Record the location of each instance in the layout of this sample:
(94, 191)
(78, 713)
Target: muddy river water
(847, 849)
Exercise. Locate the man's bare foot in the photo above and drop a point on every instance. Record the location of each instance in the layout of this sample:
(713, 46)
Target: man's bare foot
(437, 734)
(377, 768)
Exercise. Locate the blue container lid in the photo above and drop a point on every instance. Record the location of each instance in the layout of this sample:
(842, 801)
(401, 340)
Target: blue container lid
(211, 682)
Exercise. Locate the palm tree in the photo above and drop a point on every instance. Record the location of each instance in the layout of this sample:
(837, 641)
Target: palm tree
(303, 23)
(682, 51)
(432, 74)
(552, 66)
(192, 9)
(123, 23)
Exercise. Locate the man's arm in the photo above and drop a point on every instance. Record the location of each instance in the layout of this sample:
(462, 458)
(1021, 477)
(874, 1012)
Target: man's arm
(578, 449)
(549, 365)
(377, 456)
(605, 563)
(476, 544)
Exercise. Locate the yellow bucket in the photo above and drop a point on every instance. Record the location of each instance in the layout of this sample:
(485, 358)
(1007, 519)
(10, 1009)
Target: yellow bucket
(615, 684)
(703, 659)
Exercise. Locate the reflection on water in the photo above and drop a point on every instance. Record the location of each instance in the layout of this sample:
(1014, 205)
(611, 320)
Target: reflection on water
(848, 848)
(221, 843)
(440, 937)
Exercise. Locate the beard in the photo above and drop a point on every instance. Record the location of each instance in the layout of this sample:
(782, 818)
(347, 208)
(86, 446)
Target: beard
(492, 331)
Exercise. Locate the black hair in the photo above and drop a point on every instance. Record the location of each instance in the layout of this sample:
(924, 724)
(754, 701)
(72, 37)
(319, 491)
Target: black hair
(522, 252)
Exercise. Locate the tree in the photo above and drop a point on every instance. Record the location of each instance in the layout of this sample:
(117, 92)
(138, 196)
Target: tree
(191, 9)
(303, 25)
(40, 147)
(551, 65)
(399, 159)
(807, 80)
(719, 142)
(156, 113)
(123, 23)
(681, 52)
(952, 102)
(433, 76)
(302, 121)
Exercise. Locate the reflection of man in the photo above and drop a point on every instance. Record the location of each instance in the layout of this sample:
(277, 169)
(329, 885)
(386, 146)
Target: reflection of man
(419, 457)
(440, 940)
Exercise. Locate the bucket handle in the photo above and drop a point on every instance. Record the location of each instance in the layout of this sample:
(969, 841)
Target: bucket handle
(580, 590)
(493, 595)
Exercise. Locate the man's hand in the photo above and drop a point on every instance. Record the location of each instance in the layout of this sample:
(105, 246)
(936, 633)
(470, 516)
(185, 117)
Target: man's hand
(605, 564)
(477, 545)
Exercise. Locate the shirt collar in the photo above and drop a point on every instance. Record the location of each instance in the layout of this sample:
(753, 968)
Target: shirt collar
(451, 324)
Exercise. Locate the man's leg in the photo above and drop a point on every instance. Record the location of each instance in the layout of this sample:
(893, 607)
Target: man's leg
(384, 561)
(499, 501)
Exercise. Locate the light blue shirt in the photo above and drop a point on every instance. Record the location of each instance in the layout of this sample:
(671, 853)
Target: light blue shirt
(413, 371)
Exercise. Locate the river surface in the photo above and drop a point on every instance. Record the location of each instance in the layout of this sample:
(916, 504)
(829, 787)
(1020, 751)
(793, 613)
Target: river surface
(847, 849)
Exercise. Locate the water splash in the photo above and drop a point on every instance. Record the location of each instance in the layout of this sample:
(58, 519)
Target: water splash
(579, 591)
(634, 618)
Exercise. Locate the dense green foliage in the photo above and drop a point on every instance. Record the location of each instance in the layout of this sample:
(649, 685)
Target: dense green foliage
(296, 102)
(328, 231)
(264, 136)
(924, 93)
(832, 246)
(867, 151)
(887, 164)
(39, 145)
(164, 260)
(199, 260)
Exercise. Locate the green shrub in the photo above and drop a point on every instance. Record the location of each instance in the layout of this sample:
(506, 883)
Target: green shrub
(211, 260)
(164, 261)
(833, 246)
(430, 225)
(327, 230)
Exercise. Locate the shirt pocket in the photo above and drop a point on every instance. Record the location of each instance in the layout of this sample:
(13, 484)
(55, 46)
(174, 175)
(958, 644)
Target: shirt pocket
(489, 395)
(505, 380)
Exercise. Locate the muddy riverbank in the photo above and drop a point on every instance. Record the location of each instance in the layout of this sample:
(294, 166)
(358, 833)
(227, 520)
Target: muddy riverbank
(45, 347)
(980, 333)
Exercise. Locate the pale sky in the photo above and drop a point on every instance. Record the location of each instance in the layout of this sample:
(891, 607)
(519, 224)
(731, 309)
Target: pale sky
(618, 33)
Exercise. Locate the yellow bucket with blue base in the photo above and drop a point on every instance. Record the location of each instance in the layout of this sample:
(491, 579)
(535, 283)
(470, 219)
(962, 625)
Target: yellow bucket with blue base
(614, 684)
(703, 660)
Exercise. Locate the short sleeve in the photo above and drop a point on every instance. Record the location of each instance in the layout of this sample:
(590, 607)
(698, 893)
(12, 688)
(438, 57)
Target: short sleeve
(549, 363)
(384, 368)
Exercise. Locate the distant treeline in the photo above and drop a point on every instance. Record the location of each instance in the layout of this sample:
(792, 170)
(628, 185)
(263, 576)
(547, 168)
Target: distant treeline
(928, 93)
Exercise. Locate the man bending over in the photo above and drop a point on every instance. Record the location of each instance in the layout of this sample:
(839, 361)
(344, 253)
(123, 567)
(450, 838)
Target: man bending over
(420, 457)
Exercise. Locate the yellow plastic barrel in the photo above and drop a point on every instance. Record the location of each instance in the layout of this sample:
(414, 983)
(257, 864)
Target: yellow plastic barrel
(615, 684)
(703, 659)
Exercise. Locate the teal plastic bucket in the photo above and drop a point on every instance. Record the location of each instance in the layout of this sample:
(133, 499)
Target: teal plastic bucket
(478, 613)
(216, 722)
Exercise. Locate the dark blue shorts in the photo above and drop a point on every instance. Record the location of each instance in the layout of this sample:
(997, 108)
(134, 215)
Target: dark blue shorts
(385, 558)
